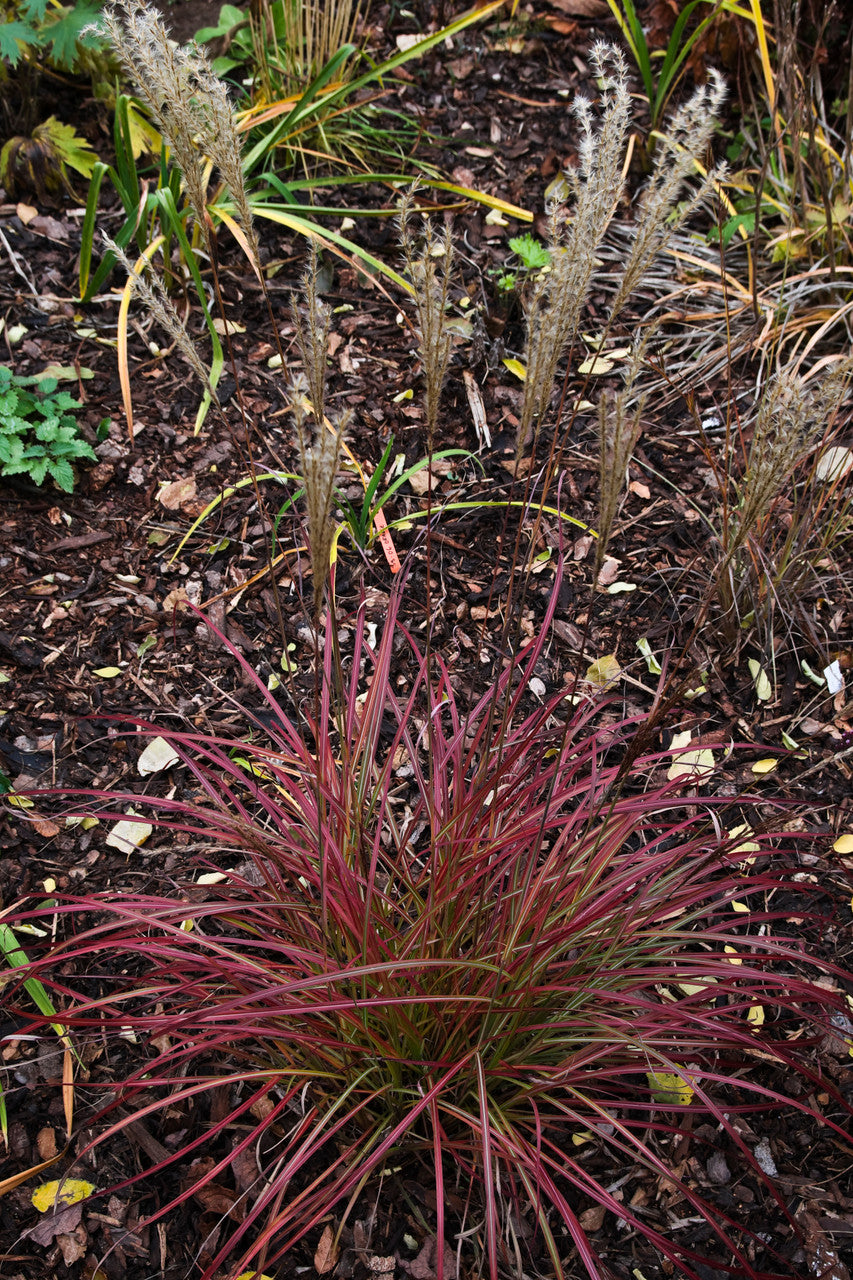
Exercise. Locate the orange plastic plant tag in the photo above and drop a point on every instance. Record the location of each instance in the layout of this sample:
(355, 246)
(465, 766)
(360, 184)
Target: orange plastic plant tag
(380, 524)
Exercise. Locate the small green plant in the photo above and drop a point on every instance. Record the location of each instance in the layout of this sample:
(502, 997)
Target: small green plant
(532, 257)
(38, 39)
(361, 521)
(39, 437)
(39, 162)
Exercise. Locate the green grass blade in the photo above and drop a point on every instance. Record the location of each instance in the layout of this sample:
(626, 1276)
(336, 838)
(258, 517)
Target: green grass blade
(87, 230)
(16, 958)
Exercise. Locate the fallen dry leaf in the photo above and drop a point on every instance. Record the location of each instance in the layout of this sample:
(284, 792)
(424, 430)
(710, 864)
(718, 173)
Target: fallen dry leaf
(46, 1143)
(52, 1225)
(173, 495)
(73, 1246)
(582, 8)
(326, 1255)
(608, 573)
(592, 1219)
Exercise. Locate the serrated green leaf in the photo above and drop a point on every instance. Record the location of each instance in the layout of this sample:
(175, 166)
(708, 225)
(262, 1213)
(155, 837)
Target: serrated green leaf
(68, 147)
(61, 474)
(34, 10)
(14, 35)
(63, 35)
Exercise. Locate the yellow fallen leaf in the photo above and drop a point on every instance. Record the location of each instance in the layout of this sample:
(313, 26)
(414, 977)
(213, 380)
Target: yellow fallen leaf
(844, 844)
(107, 672)
(739, 906)
(732, 955)
(669, 1088)
(755, 1015)
(60, 1195)
(603, 363)
(20, 802)
(578, 1139)
(604, 671)
(596, 366)
(516, 367)
(696, 988)
(767, 765)
(129, 835)
(747, 846)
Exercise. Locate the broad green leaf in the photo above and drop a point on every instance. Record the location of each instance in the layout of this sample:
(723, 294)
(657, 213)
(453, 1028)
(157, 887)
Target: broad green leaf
(14, 35)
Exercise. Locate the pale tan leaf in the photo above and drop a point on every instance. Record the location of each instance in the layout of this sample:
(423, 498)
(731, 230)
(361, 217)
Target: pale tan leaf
(326, 1255)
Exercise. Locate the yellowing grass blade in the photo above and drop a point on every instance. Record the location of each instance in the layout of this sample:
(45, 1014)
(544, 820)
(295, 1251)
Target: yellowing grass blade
(68, 1090)
(123, 313)
(9, 1184)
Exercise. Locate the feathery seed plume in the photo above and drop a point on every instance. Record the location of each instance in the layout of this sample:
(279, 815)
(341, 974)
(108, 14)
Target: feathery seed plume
(595, 186)
(429, 268)
(685, 140)
(189, 103)
(150, 288)
(312, 336)
(318, 460)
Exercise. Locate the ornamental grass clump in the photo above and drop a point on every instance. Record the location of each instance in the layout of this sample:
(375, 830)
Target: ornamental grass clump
(594, 189)
(471, 956)
(789, 515)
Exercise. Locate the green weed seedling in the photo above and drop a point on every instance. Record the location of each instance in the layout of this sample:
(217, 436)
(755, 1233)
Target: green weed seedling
(532, 257)
(39, 437)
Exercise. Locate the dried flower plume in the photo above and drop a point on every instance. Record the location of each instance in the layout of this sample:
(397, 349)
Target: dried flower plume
(619, 428)
(150, 288)
(312, 322)
(595, 186)
(189, 103)
(430, 266)
(318, 461)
